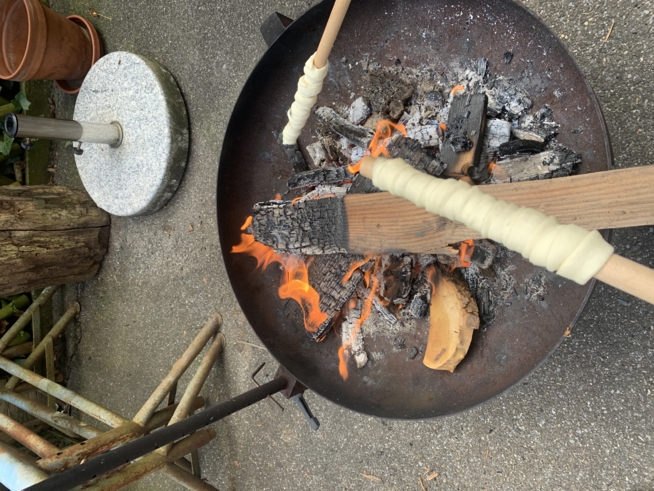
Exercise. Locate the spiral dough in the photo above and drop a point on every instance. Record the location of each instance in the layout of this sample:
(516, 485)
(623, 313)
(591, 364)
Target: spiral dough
(571, 251)
(308, 88)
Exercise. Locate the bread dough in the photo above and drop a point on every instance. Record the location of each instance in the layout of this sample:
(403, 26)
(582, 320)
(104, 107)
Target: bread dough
(308, 88)
(571, 251)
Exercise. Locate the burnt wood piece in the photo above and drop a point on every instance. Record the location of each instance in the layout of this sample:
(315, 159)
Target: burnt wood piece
(539, 126)
(395, 284)
(553, 163)
(293, 153)
(313, 226)
(483, 253)
(466, 122)
(521, 146)
(49, 235)
(504, 95)
(384, 312)
(363, 185)
(326, 275)
(420, 158)
(326, 175)
(497, 132)
(387, 96)
(359, 135)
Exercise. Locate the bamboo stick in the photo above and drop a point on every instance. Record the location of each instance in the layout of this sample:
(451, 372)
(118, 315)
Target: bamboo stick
(331, 31)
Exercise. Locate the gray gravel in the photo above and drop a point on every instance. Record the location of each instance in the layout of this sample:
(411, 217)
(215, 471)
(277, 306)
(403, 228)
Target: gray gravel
(583, 420)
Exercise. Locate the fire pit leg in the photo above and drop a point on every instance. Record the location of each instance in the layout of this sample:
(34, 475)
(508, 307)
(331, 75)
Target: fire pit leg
(295, 390)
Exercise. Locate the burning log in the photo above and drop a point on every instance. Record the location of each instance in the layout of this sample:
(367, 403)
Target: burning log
(349, 332)
(316, 177)
(465, 126)
(453, 317)
(328, 274)
(362, 185)
(553, 163)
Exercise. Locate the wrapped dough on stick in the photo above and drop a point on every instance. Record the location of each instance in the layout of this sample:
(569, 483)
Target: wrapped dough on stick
(315, 71)
(571, 251)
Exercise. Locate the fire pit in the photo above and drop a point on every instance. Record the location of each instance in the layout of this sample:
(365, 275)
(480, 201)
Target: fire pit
(254, 168)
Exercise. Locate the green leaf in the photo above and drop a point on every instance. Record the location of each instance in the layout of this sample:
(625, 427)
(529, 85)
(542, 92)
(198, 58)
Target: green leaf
(5, 146)
(20, 102)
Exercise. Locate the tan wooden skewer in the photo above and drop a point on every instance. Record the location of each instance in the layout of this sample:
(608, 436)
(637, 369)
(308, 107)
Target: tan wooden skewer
(618, 272)
(331, 31)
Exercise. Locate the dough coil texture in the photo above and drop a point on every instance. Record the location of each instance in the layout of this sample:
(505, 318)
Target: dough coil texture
(571, 251)
(308, 88)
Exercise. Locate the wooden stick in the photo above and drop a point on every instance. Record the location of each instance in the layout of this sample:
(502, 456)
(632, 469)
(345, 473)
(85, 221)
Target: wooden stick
(331, 31)
(618, 272)
(628, 276)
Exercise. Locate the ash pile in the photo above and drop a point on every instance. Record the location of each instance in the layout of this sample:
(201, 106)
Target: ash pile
(465, 124)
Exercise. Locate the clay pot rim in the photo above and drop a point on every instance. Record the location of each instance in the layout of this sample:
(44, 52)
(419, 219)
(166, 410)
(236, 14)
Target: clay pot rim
(74, 86)
(35, 46)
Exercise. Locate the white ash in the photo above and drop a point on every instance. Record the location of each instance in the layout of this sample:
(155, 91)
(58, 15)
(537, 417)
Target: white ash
(540, 123)
(326, 192)
(356, 347)
(526, 135)
(359, 111)
(318, 154)
(498, 131)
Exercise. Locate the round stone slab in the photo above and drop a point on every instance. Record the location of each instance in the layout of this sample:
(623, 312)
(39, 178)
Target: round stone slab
(142, 174)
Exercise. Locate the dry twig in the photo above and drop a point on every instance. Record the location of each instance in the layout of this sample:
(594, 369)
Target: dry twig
(372, 478)
(432, 476)
(608, 34)
(422, 484)
(94, 13)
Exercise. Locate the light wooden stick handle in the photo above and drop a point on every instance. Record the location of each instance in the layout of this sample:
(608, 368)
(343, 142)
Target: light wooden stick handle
(628, 276)
(331, 31)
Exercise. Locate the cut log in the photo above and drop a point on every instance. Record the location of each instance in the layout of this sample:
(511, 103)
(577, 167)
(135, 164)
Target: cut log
(326, 175)
(466, 122)
(379, 223)
(545, 165)
(49, 235)
(453, 317)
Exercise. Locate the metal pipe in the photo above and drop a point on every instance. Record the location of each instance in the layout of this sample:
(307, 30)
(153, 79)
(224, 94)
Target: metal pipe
(68, 425)
(21, 126)
(16, 470)
(186, 479)
(39, 351)
(82, 403)
(26, 437)
(194, 387)
(24, 319)
(73, 455)
(150, 463)
(178, 369)
(149, 443)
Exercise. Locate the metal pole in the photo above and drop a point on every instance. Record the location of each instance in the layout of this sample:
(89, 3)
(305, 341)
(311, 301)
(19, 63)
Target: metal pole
(21, 126)
(133, 450)
(26, 437)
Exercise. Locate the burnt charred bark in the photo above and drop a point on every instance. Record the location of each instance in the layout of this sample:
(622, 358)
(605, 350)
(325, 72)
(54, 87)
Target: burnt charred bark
(420, 158)
(363, 185)
(521, 146)
(359, 135)
(326, 175)
(545, 165)
(293, 153)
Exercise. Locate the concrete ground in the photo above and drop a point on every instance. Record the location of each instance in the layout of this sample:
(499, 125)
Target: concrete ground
(583, 420)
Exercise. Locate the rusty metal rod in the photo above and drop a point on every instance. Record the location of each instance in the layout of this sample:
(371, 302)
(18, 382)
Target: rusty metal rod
(82, 403)
(186, 479)
(39, 351)
(196, 383)
(24, 319)
(68, 425)
(178, 369)
(149, 443)
(150, 463)
(74, 454)
(17, 470)
(26, 437)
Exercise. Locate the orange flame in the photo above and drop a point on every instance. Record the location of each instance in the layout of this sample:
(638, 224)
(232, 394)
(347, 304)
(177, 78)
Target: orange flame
(380, 141)
(458, 89)
(491, 165)
(465, 252)
(294, 281)
(278, 197)
(353, 267)
(248, 222)
(430, 272)
(443, 127)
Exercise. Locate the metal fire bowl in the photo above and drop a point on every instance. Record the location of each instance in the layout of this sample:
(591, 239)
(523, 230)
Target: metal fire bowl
(254, 168)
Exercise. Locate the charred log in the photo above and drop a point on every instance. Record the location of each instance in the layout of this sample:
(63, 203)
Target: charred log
(293, 153)
(313, 226)
(326, 175)
(363, 185)
(545, 165)
(514, 147)
(359, 135)
(420, 158)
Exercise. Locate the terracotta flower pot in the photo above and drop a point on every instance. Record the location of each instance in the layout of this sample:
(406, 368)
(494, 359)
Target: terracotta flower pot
(37, 43)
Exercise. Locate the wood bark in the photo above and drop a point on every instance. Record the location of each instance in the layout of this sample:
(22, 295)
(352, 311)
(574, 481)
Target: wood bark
(49, 235)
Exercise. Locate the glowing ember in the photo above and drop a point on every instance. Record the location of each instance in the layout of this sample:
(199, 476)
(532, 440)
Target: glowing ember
(248, 222)
(278, 197)
(294, 282)
(443, 127)
(380, 141)
(458, 89)
(354, 169)
(465, 252)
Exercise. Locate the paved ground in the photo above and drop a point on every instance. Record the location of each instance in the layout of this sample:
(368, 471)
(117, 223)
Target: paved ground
(584, 420)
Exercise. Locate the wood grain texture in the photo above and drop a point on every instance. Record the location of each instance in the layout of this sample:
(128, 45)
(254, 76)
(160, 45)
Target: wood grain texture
(628, 276)
(382, 223)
